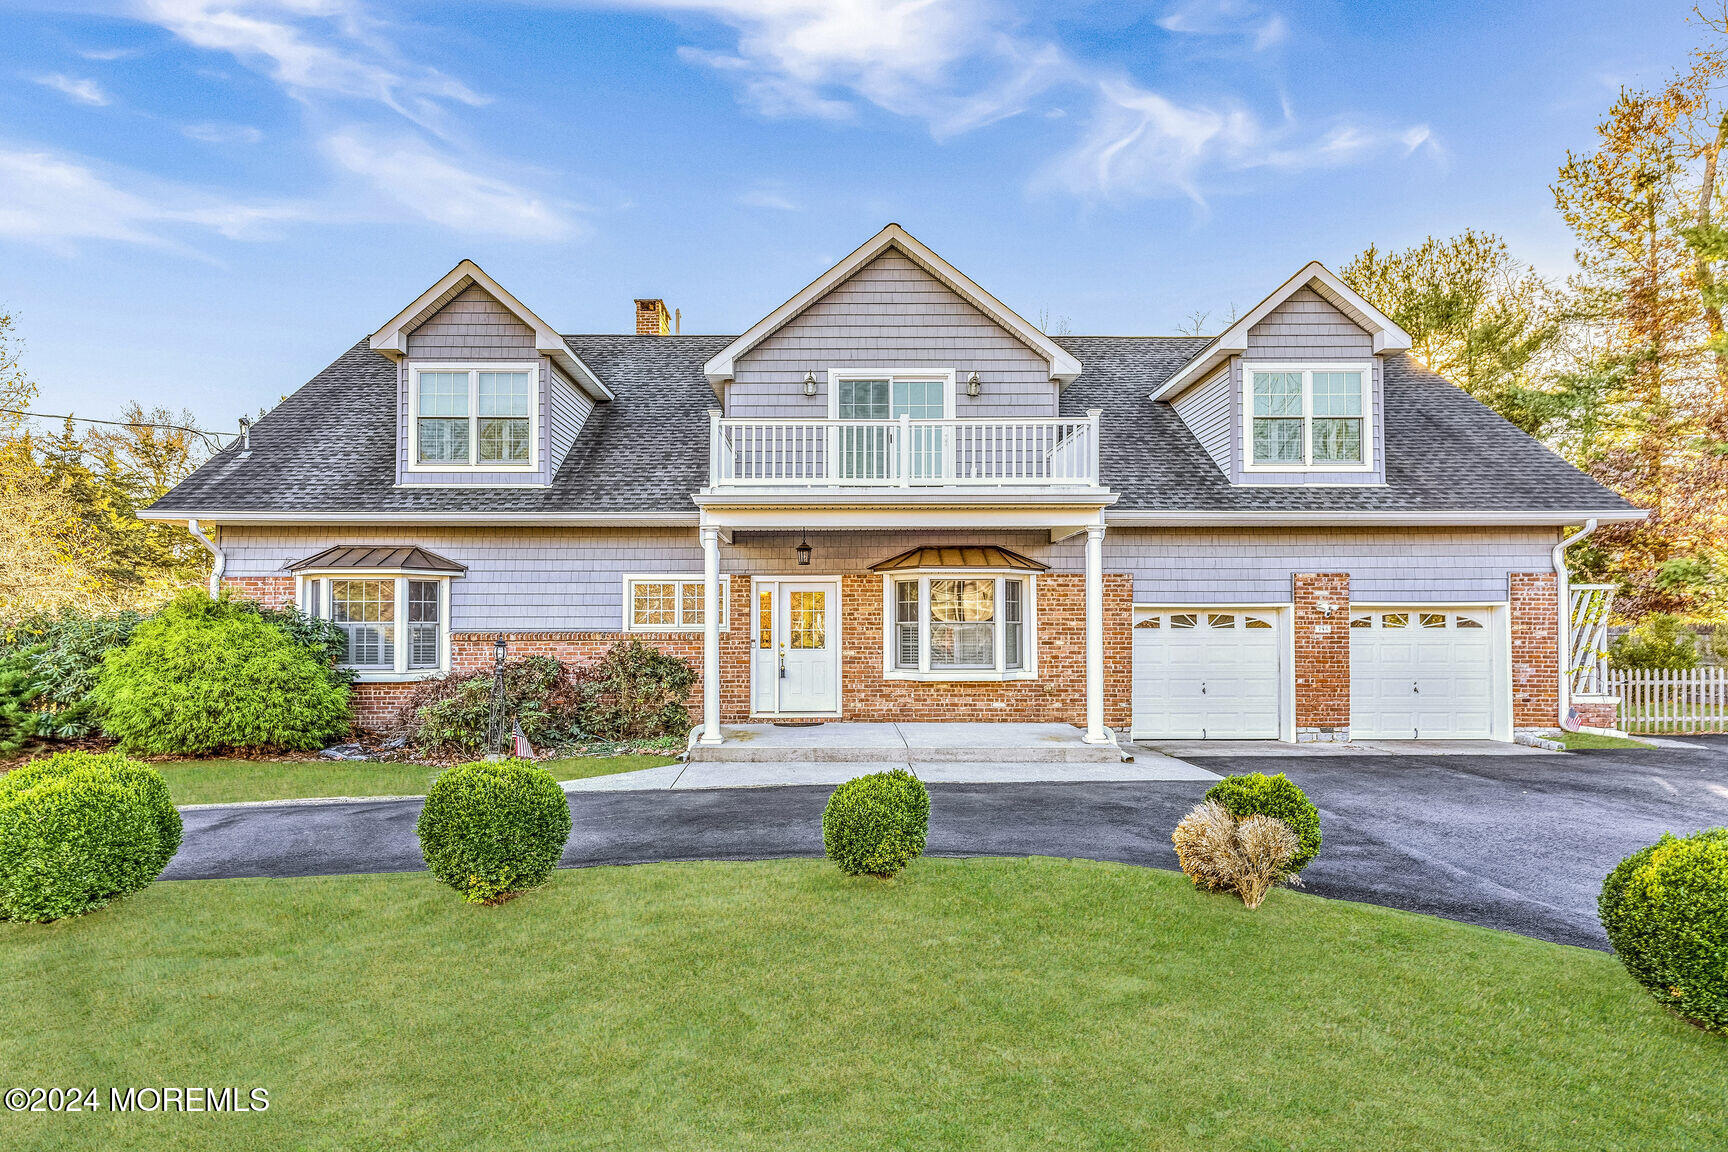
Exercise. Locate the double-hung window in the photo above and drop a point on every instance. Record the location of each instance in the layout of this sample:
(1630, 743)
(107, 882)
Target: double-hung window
(481, 417)
(392, 625)
(869, 446)
(959, 625)
(669, 603)
(1304, 417)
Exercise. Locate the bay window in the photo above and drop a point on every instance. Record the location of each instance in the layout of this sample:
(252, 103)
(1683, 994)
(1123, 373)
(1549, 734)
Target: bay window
(481, 417)
(1308, 417)
(393, 626)
(960, 625)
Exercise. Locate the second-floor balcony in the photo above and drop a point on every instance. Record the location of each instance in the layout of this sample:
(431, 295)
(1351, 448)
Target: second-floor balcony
(1055, 452)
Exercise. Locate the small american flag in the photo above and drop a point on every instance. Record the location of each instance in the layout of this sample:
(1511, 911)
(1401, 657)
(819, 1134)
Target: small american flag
(519, 743)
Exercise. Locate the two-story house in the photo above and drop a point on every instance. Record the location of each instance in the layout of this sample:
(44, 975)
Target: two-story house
(894, 498)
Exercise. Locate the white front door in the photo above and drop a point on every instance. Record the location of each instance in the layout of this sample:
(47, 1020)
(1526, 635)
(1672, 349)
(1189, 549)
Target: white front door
(1422, 673)
(1206, 675)
(796, 658)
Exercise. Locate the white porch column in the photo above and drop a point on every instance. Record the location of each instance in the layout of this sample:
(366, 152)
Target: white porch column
(1095, 635)
(710, 635)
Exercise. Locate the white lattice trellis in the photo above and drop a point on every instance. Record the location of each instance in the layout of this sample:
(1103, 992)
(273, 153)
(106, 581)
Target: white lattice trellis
(1591, 604)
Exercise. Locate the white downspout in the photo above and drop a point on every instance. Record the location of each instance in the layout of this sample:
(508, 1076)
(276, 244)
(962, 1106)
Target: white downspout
(1564, 583)
(221, 563)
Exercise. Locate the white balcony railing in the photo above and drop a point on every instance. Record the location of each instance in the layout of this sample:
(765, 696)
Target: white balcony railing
(903, 452)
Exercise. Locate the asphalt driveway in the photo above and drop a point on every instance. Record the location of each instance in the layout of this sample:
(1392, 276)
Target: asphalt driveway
(1517, 842)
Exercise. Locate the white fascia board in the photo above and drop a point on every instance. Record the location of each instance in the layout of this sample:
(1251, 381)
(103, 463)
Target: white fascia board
(392, 338)
(1063, 366)
(563, 519)
(898, 519)
(880, 499)
(1233, 341)
(1128, 518)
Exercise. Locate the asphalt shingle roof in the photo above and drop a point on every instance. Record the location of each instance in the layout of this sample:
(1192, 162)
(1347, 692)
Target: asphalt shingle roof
(331, 446)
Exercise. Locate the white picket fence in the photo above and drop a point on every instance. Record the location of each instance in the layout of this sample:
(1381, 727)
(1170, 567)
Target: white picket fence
(1655, 702)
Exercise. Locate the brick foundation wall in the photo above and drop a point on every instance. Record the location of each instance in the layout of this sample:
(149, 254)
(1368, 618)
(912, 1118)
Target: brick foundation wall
(1534, 597)
(1598, 711)
(1057, 696)
(270, 591)
(1322, 655)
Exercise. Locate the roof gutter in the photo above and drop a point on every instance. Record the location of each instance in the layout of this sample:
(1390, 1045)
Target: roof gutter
(221, 561)
(1563, 583)
(1464, 517)
(560, 519)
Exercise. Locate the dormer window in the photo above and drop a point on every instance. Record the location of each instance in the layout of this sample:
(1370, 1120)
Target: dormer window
(1308, 417)
(479, 416)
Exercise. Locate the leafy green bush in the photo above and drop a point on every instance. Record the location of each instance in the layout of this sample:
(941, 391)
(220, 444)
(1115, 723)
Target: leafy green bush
(325, 639)
(1660, 641)
(452, 713)
(80, 829)
(635, 692)
(1665, 910)
(875, 825)
(492, 830)
(204, 675)
(48, 665)
(1256, 794)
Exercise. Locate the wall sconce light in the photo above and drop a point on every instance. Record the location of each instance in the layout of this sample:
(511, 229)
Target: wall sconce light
(803, 551)
(973, 386)
(809, 383)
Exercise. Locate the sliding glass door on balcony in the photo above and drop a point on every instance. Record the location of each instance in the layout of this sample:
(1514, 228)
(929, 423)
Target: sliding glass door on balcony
(869, 447)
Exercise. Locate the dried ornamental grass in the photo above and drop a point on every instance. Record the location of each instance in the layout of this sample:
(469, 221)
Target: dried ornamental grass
(1220, 853)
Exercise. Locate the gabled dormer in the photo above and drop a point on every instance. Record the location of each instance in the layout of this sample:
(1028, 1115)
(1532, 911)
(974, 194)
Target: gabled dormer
(892, 329)
(487, 392)
(1292, 393)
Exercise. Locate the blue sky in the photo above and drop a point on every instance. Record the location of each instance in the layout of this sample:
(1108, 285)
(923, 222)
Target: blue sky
(202, 202)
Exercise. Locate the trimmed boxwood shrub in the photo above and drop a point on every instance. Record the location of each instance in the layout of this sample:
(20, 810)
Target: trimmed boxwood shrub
(205, 675)
(80, 829)
(876, 825)
(490, 830)
(1665, 910)
(1256, 794)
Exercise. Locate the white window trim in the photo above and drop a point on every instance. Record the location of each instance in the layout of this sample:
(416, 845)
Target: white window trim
(924, 671)
(1307, 368)
(680, 579)
(532, 367)
(401, 673)
(836, 375)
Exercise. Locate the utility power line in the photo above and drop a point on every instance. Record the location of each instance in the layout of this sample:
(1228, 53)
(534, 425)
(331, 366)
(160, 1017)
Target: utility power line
(215, 436)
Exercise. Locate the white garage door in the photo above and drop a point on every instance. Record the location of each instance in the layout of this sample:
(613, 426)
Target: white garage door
(1205, 676)
(1421, 674)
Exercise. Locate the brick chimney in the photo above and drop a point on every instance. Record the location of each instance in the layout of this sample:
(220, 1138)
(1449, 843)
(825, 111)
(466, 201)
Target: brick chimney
(652, 318)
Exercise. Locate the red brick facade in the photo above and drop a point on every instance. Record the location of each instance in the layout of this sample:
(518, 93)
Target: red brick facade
(1535, 649)
(1321, 606)
(1057, 696)
(1597, 711)
(1321, 657)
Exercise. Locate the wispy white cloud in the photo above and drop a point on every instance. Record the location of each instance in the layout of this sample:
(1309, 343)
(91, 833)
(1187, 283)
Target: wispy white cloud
(81, 89)
(411, 173)
(104, 55)
(216, 133)
(53, 200)
(1252, 23)
(1141, 143)
(770, 197)
(314, 49)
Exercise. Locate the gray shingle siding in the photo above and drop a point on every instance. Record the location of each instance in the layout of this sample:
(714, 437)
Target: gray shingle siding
(568, 408)
(472, 326)
(1206, 410)
(1307, 327)
(890, 314)
(1254, 566)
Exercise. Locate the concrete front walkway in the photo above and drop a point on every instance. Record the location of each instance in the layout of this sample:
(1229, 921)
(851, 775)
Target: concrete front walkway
(777, 756)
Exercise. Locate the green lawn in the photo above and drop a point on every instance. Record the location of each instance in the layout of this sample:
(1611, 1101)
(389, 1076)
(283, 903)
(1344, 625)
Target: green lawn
(987, 1004)
(231, 781)
(1577, 741)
